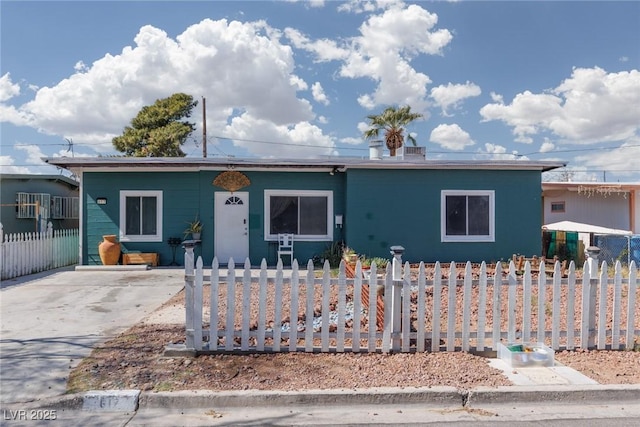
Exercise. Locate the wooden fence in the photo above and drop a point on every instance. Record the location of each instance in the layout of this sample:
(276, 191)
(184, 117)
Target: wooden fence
(28, 253)
(423, 311)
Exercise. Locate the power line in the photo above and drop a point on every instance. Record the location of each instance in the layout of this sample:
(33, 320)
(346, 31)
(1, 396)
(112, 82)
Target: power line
(343, 148)
(580, 150)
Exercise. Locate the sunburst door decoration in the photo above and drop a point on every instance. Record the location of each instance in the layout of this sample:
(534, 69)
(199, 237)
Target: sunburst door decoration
(232, 181)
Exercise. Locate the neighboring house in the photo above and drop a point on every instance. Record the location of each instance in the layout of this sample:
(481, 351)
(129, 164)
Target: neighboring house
(436, 210)
(602, 214)
(613, 205)
(29, 202)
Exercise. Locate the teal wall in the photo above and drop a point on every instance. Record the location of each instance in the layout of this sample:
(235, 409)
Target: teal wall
(402, 207)
(181, 202)
(381, 208)
(260, 181)
(186, 194)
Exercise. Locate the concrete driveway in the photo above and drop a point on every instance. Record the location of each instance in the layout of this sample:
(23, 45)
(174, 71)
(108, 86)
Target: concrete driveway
(50, 321)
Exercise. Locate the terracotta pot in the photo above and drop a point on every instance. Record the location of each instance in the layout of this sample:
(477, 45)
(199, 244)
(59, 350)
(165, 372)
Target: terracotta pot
(109, 250)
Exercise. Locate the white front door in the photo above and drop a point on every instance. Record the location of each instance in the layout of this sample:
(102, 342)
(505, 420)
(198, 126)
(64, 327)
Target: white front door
(231, 227)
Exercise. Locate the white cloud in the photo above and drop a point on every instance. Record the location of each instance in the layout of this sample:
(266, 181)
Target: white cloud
(214, 59)
(7, 164)
(33, 152)
(451, 95)
(622, 160)
(451, 137)
(318, 93)
(324, 49)
(499, 152)
(80, 66)
(8, 89)
(525, 114)
(362, 6)
(9, 114)
(591, 106)
(547, 146)
(265, 138)
(352, 141)
(310, 3)
(382, 53)
(496, 97)
(624, 59)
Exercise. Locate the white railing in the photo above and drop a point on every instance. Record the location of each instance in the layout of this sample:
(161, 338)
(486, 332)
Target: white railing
(267, 312)
(28, 253)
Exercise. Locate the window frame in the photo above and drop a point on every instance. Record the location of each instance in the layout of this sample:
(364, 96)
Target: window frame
(25, 205)
(559, 202)
(444, 237)
(63, 207)
(299, 193)
(123, 215)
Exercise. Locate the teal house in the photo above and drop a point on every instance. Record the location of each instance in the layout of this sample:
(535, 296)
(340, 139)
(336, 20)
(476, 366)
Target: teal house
(437, 210)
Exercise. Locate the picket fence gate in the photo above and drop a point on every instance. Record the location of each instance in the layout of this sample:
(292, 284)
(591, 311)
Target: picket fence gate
(28, 253)
(273, 313)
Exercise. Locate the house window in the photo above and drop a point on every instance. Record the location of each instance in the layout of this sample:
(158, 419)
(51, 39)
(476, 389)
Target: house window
(233, 200)
(33, 205)
(557, 207)
(141, 216)
(65, 207)
(307, 214)
(467, 216)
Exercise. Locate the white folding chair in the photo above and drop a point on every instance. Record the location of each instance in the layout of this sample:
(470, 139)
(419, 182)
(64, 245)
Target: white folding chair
(285, 246)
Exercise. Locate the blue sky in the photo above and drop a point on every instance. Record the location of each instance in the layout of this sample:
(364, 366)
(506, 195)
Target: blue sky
(494, 80)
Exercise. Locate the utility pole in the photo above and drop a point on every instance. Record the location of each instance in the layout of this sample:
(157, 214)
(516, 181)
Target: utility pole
(204, 127)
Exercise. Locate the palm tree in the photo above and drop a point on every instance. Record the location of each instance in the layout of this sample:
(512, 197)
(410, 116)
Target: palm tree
(392, 121)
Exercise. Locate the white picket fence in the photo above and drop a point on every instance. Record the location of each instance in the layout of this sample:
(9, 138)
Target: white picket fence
(28, 253)
(264, 312)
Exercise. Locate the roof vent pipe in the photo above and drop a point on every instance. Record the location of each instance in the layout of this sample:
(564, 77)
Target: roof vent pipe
(375, 149)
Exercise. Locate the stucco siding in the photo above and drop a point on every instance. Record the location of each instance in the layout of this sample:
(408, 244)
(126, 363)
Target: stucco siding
(387, 208)
(611, 211)
(181, 201)
(186, 194)
(381, 208)
(259, 247)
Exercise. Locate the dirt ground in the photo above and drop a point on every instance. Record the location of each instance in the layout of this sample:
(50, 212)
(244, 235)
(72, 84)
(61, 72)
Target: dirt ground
(134, 360)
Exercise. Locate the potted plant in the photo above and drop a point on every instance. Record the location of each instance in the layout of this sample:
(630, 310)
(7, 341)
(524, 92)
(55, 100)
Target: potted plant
(194, 228)
(349, 255)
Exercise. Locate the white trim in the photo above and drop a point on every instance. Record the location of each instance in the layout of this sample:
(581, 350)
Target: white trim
(299, 193)
(140, 193)
(491, 237)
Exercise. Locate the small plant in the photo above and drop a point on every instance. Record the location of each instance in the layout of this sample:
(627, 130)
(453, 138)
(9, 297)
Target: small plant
(364, 261)
(349, 254)
(333, 254)
(194, 226)
(380, 262)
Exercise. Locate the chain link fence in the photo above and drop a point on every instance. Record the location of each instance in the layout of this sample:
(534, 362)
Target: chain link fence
(618, 248)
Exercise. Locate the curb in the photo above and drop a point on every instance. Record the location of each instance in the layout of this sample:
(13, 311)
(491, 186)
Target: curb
(440, 396)
(555, 394)
(132, 400)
